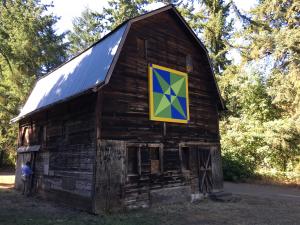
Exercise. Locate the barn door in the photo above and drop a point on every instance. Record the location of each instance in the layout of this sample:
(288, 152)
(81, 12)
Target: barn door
(22, 158)
(109, 175)
(204, 170)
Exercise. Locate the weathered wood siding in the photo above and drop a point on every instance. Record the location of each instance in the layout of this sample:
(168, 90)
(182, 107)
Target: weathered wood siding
(125, 101)
(63, 167)
(125, 110)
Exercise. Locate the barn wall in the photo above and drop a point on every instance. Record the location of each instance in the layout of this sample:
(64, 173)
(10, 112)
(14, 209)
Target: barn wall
(125, 112)
(63, 168)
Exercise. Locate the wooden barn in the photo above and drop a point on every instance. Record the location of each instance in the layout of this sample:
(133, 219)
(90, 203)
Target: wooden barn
(130, 121)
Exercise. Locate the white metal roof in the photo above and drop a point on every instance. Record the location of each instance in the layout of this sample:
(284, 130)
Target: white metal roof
(76, 76)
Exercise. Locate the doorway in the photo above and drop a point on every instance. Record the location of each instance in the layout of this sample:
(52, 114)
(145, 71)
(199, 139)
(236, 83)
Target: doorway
(204, 168)
(196, 160)
(22, 158)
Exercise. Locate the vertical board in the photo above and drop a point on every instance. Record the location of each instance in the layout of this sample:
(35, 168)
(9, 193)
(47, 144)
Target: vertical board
(217, 172)
(109, 175)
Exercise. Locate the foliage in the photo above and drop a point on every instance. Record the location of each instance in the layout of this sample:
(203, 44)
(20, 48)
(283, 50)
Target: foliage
(120, 10)
(236, 168)
(283, 143)
(277, 37)
(209, 20)
(253, 126)
(87, 29)
(92, 25)
(29, 47)
(217, 32)
(244, 91)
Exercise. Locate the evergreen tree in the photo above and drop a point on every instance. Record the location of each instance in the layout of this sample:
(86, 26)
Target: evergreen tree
(87, 29)
(120, 10)
(29, 48)
(91, 25)
(276, 38)
(267, 123)
(216, 32)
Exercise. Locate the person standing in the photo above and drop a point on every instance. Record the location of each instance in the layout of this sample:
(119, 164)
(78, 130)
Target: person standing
(26, 173)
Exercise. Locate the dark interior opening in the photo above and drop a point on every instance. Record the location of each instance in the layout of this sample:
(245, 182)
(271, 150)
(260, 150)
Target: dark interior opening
(132, 160)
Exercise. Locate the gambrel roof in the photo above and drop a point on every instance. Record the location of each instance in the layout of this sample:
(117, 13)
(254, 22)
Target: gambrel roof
(91, 69)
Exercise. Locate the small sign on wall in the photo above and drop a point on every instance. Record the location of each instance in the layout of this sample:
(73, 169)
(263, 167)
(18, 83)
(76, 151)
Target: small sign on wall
(168, 92)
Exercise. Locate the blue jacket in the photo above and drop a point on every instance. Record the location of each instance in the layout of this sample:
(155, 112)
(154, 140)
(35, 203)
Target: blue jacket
(26, 170)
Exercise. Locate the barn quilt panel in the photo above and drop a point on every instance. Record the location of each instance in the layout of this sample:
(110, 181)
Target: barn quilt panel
(168, 91)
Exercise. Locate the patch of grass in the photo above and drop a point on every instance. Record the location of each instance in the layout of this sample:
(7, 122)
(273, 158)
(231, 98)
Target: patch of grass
(30, 211)
(274, 177)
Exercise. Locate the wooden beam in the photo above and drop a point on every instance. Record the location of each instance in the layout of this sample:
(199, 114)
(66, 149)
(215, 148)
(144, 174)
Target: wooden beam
(98, 123)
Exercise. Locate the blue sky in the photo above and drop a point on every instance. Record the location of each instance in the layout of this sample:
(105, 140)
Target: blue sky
(68, 9)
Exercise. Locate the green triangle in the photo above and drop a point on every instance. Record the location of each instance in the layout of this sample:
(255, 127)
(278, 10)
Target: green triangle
(166, 113)
(177, 86)
(162, 105)
(168, 91)
(164, 85)
(174, 78)
(173, 98)
(182, 91)
(157, 98)
(177, 106)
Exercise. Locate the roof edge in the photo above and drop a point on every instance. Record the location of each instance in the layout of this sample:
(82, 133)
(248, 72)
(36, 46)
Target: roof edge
(116, 56)
(89, 90)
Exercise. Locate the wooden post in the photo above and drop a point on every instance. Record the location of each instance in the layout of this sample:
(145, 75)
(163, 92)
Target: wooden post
(98, 115)
(33, 176)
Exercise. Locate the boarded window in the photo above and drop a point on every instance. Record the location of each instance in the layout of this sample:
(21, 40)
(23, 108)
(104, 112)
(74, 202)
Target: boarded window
(141, 47)
(185, 158)
(144, 158)
(154, 160)
(132, 160)
(189, 64)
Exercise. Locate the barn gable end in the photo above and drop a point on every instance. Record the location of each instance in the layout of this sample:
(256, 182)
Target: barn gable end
(161, 40)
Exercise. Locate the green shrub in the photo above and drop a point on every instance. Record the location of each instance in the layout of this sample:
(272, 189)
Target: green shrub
(236, 169)
(6, 160)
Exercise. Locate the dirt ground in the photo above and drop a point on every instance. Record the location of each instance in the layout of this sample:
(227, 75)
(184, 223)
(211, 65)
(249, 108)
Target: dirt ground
(255, 204)
(7, 179)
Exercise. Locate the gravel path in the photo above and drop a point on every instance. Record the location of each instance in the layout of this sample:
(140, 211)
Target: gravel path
(264, 191)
